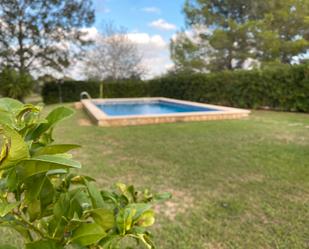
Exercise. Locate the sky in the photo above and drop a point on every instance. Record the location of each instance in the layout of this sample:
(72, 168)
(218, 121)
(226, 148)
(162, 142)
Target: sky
(149, 23)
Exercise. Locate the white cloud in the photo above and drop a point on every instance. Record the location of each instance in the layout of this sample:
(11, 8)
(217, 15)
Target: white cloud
(155, 52)
(162, 25)
(92, 33)
(144, 38)
(152, 10)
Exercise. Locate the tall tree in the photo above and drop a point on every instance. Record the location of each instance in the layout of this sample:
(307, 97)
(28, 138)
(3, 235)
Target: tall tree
(226, 24)
(283, 32)
(267, 30)
(114, 56)
(187, 53)
(42, 34)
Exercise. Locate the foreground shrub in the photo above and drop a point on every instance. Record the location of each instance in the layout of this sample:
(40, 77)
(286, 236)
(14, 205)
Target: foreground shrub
(52, 208)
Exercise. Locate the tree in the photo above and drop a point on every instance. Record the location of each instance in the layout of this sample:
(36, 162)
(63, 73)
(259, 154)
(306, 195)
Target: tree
(15, 84)
(282, 34)
(42, 34)
(225, 29)
(114, 56)
(187, 53)
(266, 30)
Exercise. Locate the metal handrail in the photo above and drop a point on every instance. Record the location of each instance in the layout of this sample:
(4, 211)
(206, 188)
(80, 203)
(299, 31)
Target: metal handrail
(85, 94)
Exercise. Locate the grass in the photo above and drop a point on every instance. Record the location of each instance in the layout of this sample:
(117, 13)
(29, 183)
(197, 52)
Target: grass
(235, 184)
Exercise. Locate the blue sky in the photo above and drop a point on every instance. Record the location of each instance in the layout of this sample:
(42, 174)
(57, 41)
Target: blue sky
(136, 15)
(151, 23)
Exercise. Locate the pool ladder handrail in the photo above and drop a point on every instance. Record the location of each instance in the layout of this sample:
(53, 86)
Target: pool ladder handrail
(85, 94)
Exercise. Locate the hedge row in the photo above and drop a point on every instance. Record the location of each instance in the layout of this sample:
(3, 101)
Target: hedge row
(70, 90)
(285, 88)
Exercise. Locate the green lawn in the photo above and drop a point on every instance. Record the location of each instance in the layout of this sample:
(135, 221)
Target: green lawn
(235, 184)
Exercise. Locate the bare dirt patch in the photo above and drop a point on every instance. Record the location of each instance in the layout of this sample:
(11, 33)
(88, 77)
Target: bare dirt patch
(180, 203)
(84, 122)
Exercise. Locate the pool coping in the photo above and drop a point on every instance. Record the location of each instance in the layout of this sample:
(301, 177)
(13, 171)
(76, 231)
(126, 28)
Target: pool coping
(102, 119)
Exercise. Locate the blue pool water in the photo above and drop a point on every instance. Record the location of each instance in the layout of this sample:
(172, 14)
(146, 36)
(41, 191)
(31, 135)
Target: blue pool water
(149, 108)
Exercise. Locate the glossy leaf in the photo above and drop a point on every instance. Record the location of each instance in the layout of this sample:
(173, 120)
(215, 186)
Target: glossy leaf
(87, 234)
(53, 118)
(34, 210)
(10, 105)
(103, 217)
(95, 195)
(6, 208)
(146, 219)
(124, 220)
(45, 163)
(14, 148)
(139, 208)
(56, 149)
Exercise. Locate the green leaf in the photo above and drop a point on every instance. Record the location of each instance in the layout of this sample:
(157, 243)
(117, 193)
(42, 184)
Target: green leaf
(6, 118)
(57, 159)
(44, 244)
(34, 210)
(146, 219)
(45, 163)
(6, 208)
(127, 191)
(88, 234)
(14, 148)
(104, 217)
(53, 118)
(7, 247)
(95, 195)
(110, 242)
(56, 149)
(139, 208)
(38, 187)
(9, 105)
(62, 205)
(11, 180)
(124, 219)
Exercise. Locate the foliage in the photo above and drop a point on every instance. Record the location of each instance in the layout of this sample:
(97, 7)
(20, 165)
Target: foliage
(187, 53)
(15, 84)
(51, 207)
(284, 88)
(111, 89)
(280, 88)
(236, 30)
(45, 34)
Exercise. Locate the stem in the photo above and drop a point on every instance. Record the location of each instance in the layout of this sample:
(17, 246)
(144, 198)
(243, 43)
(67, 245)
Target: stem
(31, 226)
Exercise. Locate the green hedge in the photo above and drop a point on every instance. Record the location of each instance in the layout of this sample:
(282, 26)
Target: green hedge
(285, 88)
(71, 90)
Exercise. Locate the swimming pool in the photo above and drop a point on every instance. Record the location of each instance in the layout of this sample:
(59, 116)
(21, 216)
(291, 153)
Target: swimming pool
(138, 111)
(149, 108)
